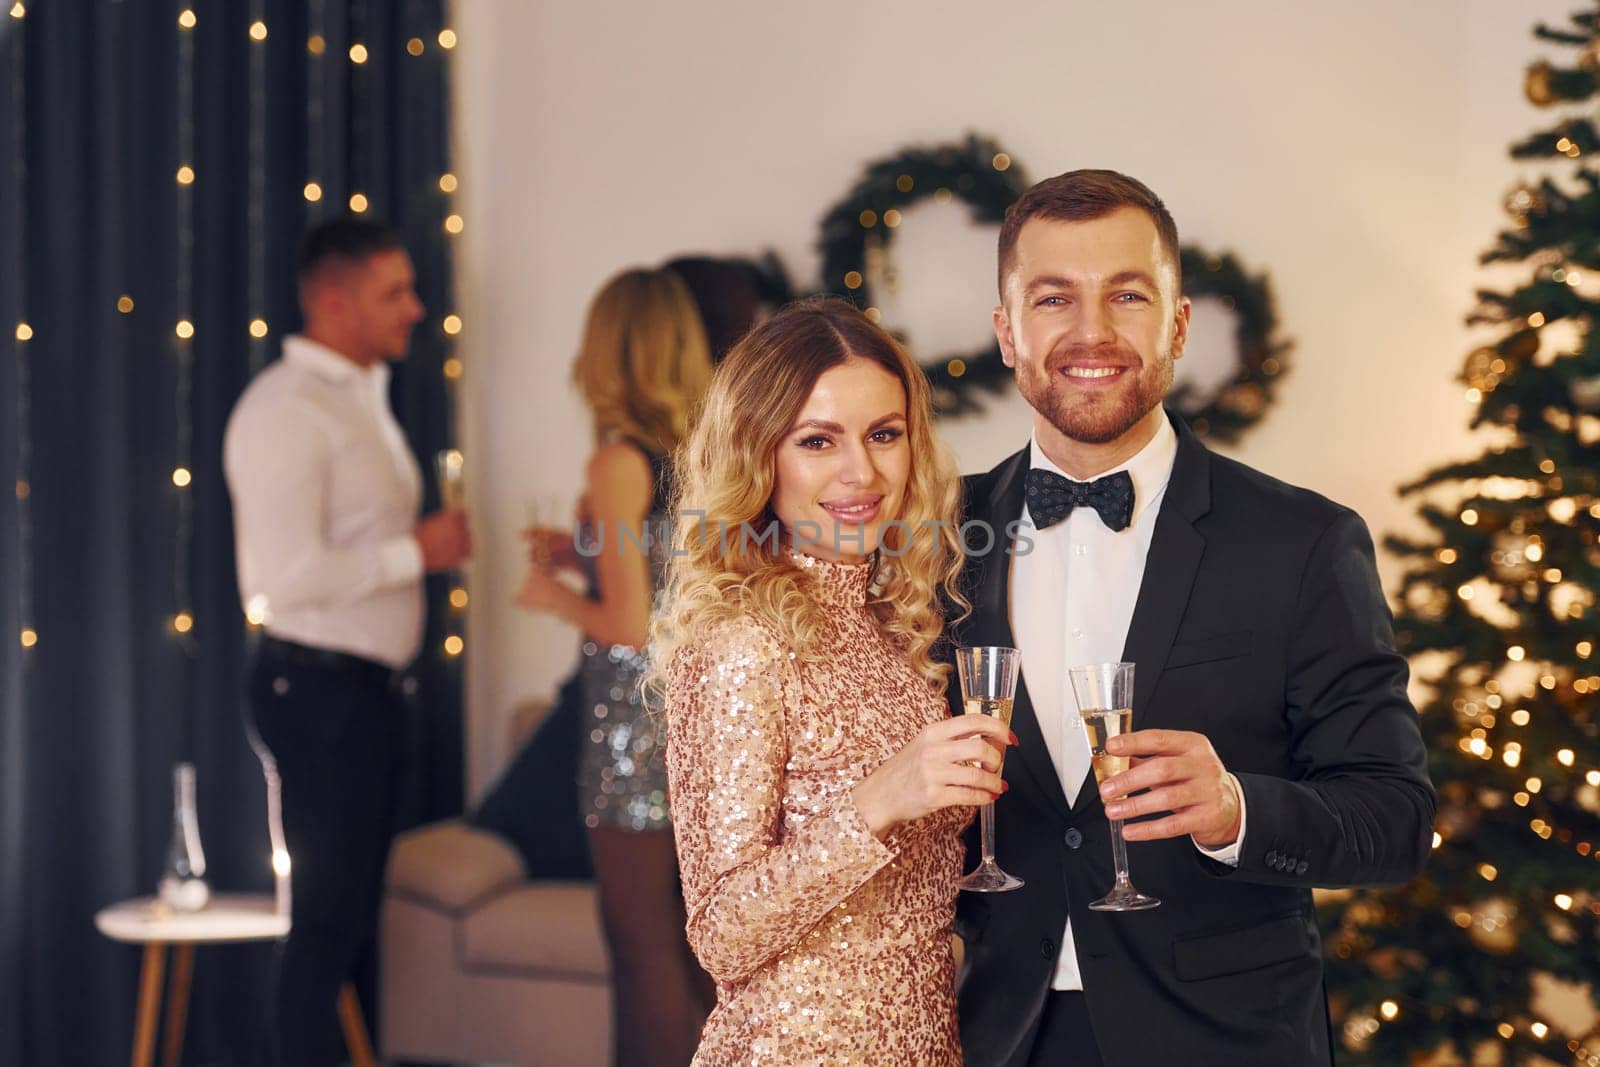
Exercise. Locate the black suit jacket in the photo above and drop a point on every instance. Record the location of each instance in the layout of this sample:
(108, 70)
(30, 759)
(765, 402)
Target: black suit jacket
(1261, 624)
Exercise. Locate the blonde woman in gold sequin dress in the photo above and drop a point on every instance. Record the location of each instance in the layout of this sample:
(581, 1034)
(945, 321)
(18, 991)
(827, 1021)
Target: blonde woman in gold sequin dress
(643, 364)
(818, 788)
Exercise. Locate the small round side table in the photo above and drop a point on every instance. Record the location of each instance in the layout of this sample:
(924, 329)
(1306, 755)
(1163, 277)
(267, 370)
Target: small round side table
(228, 918)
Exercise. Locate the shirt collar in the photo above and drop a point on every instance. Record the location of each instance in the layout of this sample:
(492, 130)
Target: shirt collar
(1150, 467)
(329, 365)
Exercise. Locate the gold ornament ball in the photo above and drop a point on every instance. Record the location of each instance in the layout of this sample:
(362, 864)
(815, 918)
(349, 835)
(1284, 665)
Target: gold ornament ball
(1537, 85)
(1589, 58)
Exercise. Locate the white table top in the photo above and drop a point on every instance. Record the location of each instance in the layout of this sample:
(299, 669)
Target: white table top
(228, 917)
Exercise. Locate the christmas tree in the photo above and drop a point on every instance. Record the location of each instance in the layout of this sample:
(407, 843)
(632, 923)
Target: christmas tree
(1497, 610)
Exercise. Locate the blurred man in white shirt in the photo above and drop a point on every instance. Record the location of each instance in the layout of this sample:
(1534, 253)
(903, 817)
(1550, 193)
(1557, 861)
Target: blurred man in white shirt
(331, 560)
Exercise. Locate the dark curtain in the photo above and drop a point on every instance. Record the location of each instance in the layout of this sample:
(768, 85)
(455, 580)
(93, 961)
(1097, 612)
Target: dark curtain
(101, 104)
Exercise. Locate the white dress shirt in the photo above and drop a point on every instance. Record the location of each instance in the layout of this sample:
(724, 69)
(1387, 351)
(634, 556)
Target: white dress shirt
(1072, 600)
(325, 498)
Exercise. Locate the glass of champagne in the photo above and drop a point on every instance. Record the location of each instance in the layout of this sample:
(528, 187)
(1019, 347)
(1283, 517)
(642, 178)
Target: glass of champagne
(1104, 692)
(988, 686)
(447, 463)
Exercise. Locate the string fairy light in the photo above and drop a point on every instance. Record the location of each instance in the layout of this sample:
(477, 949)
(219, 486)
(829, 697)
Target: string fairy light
(317, 45)
(27, 633)
(256, 210)
(183, 620)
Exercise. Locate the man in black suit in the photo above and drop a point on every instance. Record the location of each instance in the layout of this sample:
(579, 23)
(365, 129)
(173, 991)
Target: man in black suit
(1274, 745)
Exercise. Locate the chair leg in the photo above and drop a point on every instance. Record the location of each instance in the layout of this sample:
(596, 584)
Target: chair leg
(178, 1003)
(144, 1026)
(355, 1028)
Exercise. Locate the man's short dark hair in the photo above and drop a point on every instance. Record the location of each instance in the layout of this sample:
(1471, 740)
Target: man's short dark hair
(1079, 196)
(344, 241)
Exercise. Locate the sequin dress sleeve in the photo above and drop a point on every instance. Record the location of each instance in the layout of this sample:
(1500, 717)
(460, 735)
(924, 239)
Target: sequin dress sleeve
(752, 891)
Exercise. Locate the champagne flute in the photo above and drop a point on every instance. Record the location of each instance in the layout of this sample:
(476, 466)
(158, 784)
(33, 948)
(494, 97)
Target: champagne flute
(447, 463)
(988, 687)
(1104, 692)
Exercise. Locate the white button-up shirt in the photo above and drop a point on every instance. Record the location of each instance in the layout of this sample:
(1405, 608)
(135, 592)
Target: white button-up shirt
(1072, 600)
(325, 497)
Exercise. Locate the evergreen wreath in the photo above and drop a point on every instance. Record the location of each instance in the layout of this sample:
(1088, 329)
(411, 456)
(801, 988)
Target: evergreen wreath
(985, 178)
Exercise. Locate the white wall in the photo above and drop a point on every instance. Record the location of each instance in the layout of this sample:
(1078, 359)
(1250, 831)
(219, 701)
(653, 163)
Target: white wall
(1356, 151)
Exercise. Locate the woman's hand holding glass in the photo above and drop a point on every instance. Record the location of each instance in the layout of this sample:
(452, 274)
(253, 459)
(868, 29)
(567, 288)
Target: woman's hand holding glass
(952, 762)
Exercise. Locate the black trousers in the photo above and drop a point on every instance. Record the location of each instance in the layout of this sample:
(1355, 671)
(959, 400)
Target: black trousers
(331, 724)
(1065, 1034)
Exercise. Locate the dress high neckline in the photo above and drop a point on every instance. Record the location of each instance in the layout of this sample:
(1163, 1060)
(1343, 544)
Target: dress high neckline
(842, 585)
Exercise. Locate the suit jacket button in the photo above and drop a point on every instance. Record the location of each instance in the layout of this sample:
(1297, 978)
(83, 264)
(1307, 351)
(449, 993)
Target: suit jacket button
(1073, 837)
(1302, 867)
(1047, 949)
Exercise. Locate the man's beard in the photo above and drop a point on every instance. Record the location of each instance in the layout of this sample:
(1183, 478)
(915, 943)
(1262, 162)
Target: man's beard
(1096, 419)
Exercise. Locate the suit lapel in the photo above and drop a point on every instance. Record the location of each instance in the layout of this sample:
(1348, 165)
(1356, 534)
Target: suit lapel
(998, 502)
(1169, 572)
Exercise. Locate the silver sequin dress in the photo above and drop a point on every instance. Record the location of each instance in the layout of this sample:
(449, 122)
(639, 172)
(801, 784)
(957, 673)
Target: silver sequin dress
(622, 773)
(828, 946)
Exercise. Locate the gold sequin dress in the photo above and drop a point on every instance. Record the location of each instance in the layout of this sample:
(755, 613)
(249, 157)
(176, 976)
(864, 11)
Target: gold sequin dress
(827, 945)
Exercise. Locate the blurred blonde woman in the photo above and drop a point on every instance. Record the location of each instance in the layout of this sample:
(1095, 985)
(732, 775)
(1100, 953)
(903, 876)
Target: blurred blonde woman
(642, 367)
(818, 788)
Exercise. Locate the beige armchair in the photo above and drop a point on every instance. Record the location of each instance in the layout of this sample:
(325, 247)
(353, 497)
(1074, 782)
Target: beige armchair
(481, 965)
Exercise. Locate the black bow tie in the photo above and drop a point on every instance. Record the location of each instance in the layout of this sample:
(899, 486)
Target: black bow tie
(1051, 498)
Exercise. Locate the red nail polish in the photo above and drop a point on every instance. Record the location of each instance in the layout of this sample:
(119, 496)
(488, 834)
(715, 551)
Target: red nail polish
(1005, 786)
(1013, 737)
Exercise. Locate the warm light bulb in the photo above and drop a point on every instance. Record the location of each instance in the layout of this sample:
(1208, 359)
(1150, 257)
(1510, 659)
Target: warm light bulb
(258, 31)
(447, 183)
(1445, 555)
(447, 38)
(873, 315)
(1563, 901)
(956, 367)
(1515, 653)
(186, 175)
(1469, 517)
(1565, 757)
(181, 477)
(852, 279)
(1536, 320)
(1001, 161)
(24, 332)
(313, 192)
(458, 598)
(1488, 872)
(184, 329)
(183, 622)
(452, 368)
(414, 46)
(255, 610)
(258, 328)
(29, 636)
(18, 10)
(186, 19)
(1533, 785)
(453, 224)
(453, 645)
(891, 218)
(358, 53)
(1389, 1010)
(1505, 1030)
(868, 219)
(1437, 840)
(1520, 717)
(125, 303)
(452, 324)
(1465, 592)
(316, 45)
(358, 203)
(1593, 777)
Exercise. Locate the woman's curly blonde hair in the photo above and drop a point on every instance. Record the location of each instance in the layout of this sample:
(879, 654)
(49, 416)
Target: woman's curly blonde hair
(723, 565)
